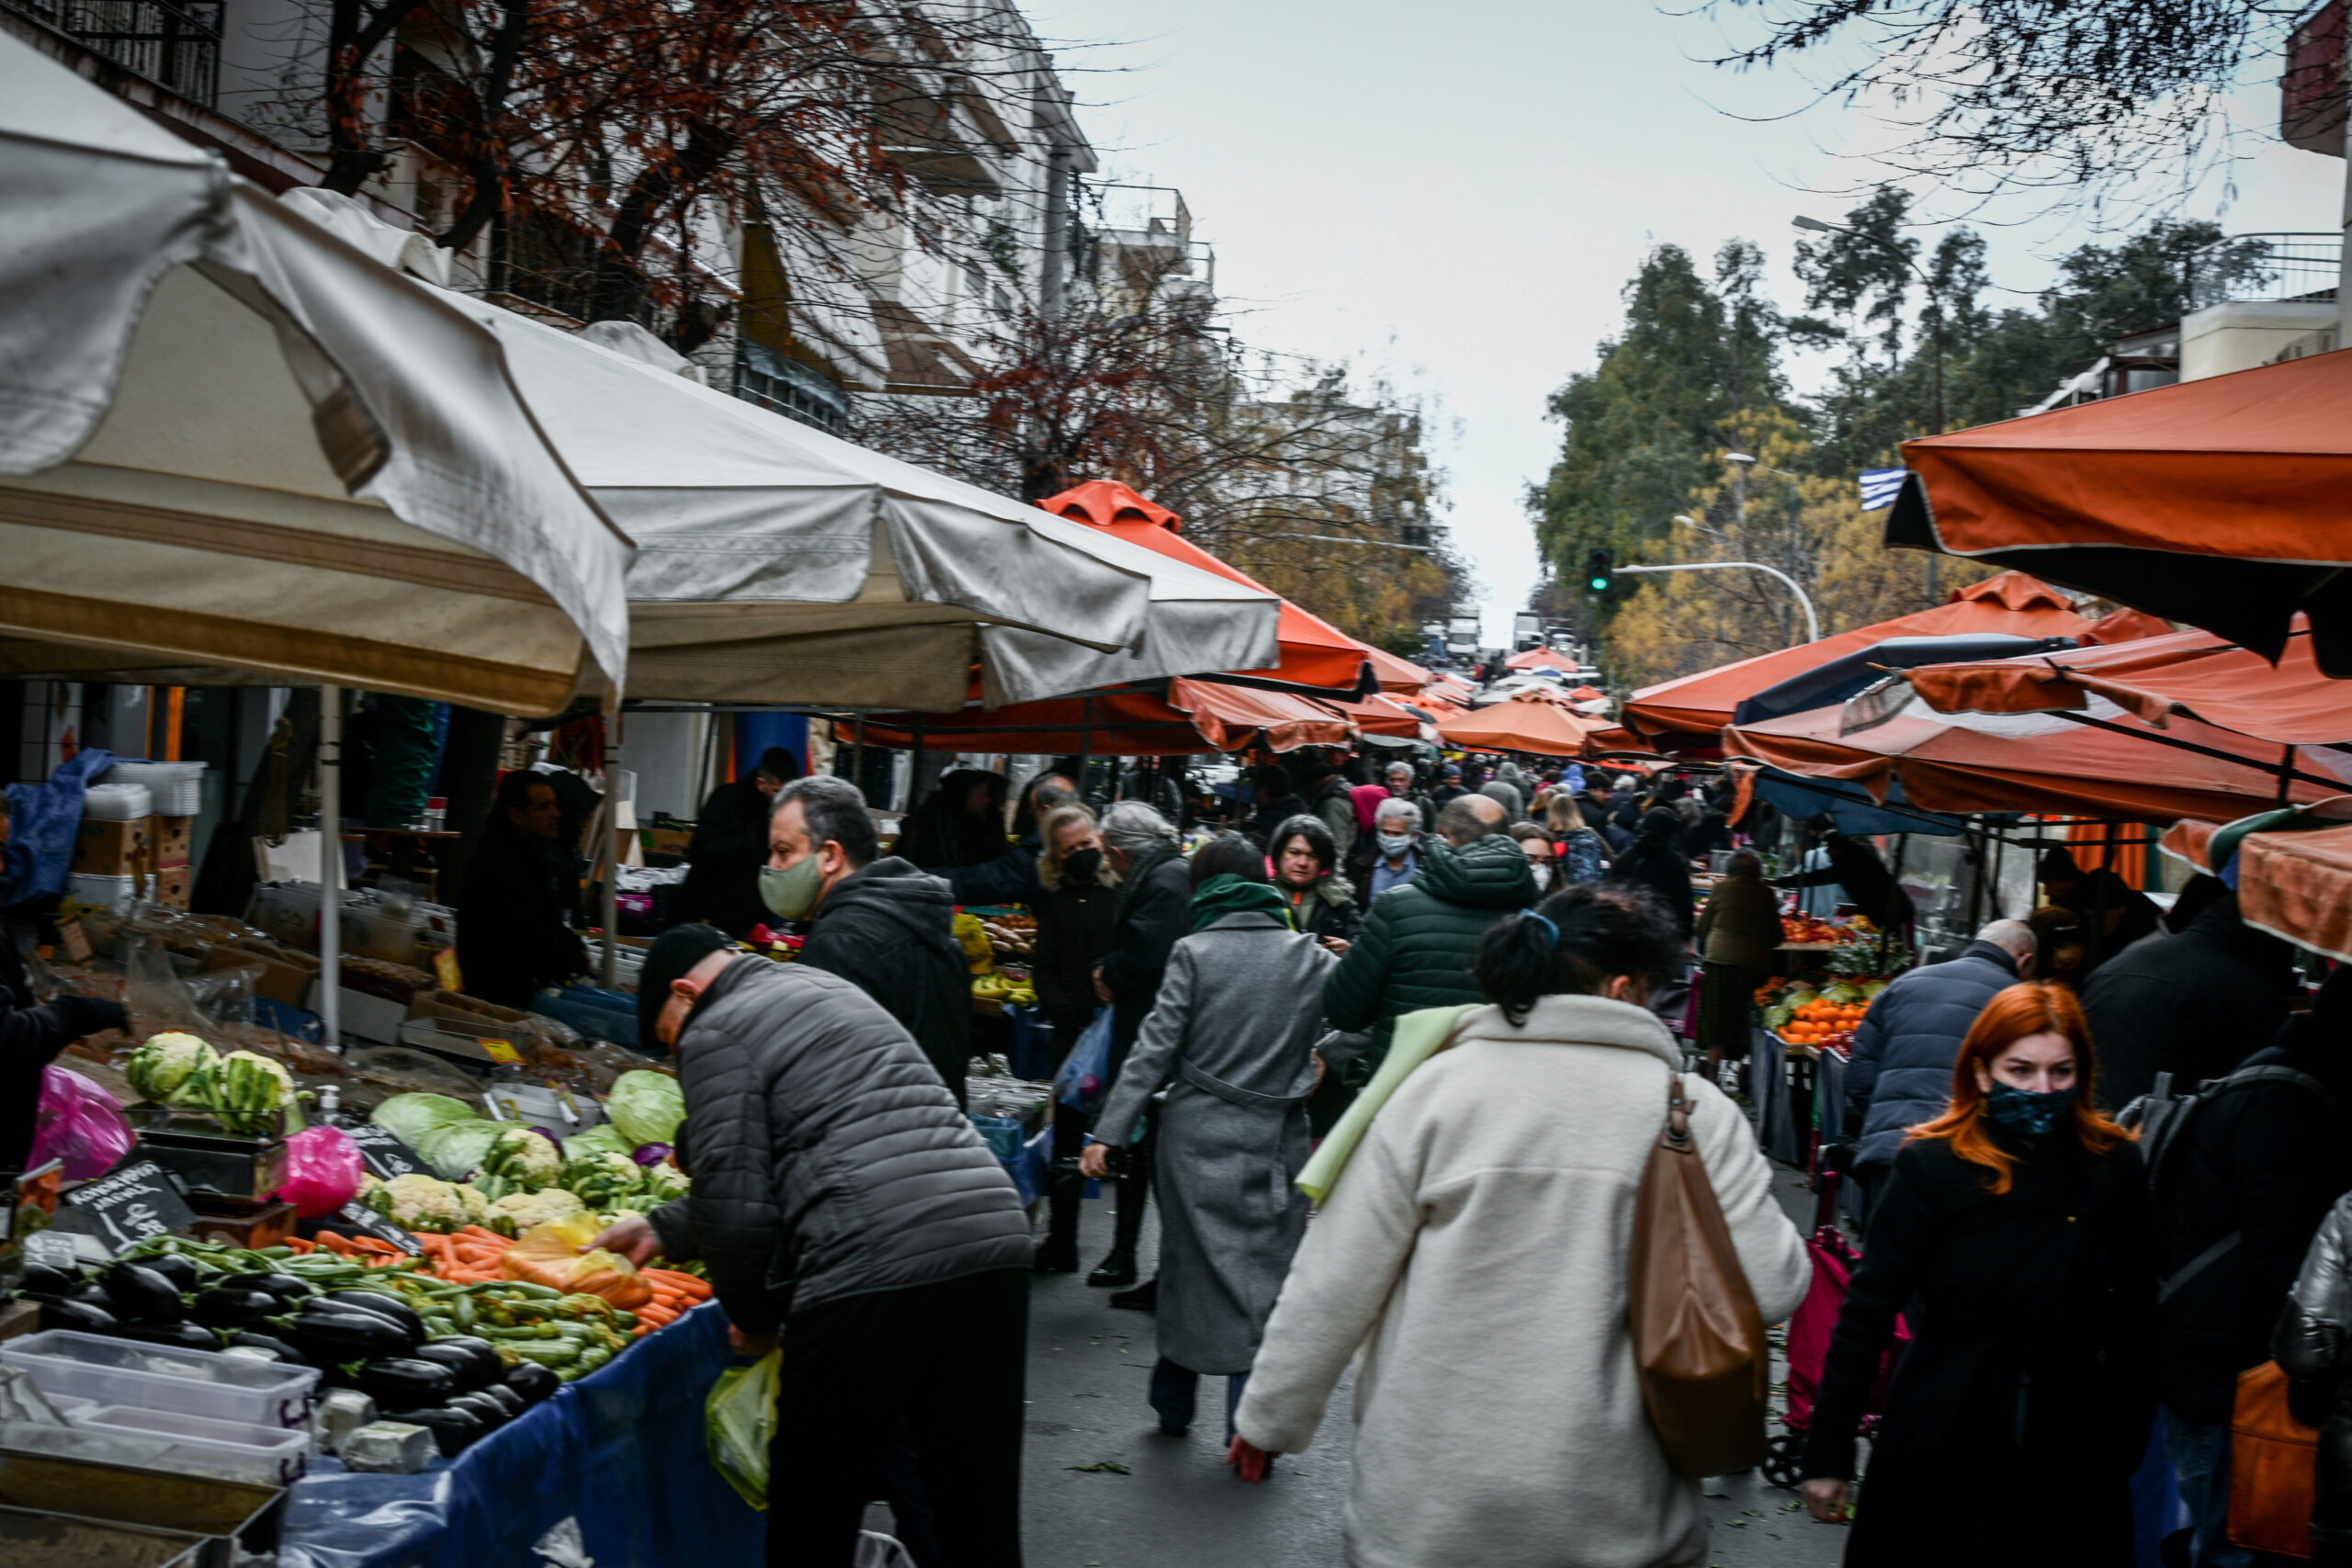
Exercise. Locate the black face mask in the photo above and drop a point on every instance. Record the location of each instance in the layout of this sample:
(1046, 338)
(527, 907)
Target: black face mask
(1081, 866)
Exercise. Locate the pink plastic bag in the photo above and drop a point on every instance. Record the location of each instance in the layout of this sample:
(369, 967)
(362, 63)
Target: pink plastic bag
(77, 1123)
(322, 1171)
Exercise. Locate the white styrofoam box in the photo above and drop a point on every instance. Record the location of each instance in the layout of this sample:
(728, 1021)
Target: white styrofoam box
(117, 803)
(536, 1107)
(370, 1018)
(114, 893)
(164, 1377)
(179, 787)
(225, 1450)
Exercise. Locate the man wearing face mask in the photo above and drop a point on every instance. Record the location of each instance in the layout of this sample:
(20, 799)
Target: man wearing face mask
(880, 924)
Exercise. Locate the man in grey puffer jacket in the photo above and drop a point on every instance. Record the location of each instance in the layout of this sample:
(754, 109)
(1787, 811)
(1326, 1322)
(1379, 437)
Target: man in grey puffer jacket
(840, 1196)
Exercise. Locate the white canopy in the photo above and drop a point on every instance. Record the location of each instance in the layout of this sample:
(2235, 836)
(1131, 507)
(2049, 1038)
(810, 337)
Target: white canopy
(228, 439)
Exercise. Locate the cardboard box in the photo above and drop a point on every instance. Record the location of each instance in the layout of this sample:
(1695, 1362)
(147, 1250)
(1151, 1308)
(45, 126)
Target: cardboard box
(111, 849)
(283, 977)
(665, 840)
(168, 837)
(173, 884)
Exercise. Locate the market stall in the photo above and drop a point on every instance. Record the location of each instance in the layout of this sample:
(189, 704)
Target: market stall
(1530, 721)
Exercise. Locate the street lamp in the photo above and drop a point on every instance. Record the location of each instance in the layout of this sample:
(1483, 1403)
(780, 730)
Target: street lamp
(1694, 523)
(1814, 225)
(1812, 622)
(1795, 502)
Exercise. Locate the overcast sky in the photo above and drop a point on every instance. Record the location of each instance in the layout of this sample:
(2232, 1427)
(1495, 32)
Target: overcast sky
(1455, 196)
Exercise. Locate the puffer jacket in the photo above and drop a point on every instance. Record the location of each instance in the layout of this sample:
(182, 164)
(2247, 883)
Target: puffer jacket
(2313, 1346)
(2194, 1004)
(829, 1160)
(1413, 949)
(1901, 1071)
(889, 929)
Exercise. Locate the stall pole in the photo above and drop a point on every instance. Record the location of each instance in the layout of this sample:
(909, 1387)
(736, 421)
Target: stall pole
(608, 974)
(857, 748)
(330, 865)
(1085, 741)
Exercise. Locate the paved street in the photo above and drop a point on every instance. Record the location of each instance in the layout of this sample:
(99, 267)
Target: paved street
(1178, 1506)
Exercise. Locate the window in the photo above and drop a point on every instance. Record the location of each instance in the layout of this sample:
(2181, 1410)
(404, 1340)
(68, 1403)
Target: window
(782, 385)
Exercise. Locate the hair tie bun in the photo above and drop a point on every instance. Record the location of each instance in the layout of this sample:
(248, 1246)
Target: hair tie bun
(1550, 930)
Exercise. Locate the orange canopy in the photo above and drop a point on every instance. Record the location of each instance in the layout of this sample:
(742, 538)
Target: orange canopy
(2293, 884)
(1380, 715)
(2024, 762)
(1195, 716)
(1395, 674)
(2185, 675)
(1689, 714)
(1527, 721)
(1540, 658)
(1315, 653)
(2220, 502)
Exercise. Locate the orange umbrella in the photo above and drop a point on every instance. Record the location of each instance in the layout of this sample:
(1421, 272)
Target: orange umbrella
(1194, 715)
(1395, 674)
(2218, 501)
(1539, 659)
(2295, 883)
(1527, 721)
(1689, 714)
(1380, 714)
(1315, 655)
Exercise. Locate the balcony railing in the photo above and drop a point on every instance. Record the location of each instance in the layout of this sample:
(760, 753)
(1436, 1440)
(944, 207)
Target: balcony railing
(174, 43)
(2259, 267)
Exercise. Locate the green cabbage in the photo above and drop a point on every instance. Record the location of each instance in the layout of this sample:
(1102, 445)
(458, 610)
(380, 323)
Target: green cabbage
(457, 1151)
(415, 1118)
(647, 1107)
(604, 1138)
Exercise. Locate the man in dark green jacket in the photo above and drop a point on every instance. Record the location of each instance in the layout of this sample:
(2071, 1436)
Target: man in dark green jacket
(1414, 948)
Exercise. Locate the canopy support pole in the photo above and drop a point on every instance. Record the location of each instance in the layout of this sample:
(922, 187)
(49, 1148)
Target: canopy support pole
(331, 866)
(608, 974)
(1085, 741)
(857, 749)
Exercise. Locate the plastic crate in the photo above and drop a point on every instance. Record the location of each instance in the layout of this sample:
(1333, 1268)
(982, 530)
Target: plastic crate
(225, 1450)
(164, 1377)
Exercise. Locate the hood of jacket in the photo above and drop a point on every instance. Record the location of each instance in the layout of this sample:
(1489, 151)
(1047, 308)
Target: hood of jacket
(896, 890)
(1567, 1019)
(1491, 872)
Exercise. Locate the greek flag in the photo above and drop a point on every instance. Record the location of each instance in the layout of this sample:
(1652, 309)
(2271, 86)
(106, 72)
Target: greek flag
(1880, 487)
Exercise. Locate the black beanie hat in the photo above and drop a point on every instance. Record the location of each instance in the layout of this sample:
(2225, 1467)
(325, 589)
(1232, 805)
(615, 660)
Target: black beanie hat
(670, 958)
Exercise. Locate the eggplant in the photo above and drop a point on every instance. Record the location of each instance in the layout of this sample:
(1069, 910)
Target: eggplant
(253, 1339)
(494, 1414)
(465, 1366)
(182, 1273)
(403, 1382)
(89, 1293)
(49, 1281)
(141, 1294)
(345, 1333)
(532, 1380)
(382, 1305)
(64, 1311)
(223, 1308)
(187, 1335)
(507, 1399)
(285, 1287)
(453, 1430)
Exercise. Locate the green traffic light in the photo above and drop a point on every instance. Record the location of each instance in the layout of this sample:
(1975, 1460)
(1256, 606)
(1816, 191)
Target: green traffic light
(1600, 585)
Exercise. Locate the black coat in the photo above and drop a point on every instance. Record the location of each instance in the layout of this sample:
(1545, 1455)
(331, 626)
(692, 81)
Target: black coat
(889, 929)
(1074, 930)
(2194, 1005)
(512, 939)
(30, 1038)
(2023, 1405)
(724, 857)
(2314, 1345)
(2262, 1161)
(1660, 868)
(1153, 910)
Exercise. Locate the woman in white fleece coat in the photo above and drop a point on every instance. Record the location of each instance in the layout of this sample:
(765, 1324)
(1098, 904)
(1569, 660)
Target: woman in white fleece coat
(1476, 1247)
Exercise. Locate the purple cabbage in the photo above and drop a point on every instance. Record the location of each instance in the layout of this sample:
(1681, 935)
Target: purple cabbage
(650, 1154)
(550, 1133)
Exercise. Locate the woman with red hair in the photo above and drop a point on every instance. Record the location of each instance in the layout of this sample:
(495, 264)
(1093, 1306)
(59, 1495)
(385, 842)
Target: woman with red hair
(2013, 1234)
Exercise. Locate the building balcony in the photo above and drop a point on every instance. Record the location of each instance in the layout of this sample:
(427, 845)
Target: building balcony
(2260, 298)
(176, 44)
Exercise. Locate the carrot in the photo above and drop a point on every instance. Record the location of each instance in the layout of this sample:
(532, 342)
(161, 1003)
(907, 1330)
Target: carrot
(299, 1246)
(685, 1284)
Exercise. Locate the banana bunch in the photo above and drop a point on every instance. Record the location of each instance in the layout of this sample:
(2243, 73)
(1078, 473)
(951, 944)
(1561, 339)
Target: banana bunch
(1005, 988)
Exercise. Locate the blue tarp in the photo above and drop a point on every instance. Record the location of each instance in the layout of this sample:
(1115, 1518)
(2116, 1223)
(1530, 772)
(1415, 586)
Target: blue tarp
(42, 821)
(1850, 805)
(621, 1451)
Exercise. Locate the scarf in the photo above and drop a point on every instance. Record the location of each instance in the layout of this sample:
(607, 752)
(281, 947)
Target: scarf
(1229, 894)
(1417, 1035)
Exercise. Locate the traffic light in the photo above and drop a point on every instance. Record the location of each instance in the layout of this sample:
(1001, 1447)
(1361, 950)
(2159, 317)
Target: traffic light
(1596, 573)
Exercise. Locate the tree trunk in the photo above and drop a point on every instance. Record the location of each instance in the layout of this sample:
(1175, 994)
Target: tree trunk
(618, 292)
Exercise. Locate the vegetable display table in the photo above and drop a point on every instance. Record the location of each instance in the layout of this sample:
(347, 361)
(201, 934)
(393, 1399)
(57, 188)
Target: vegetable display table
(621, 1451)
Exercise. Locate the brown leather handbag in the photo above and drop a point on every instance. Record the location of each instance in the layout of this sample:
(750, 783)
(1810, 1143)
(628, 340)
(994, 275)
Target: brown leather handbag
(2274, 1469)
(1698, 1339)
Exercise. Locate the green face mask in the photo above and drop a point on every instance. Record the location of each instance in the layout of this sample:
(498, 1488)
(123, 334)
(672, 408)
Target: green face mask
(790, 894)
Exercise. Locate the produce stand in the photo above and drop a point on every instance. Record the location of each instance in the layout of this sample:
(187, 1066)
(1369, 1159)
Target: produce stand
(621, 1451)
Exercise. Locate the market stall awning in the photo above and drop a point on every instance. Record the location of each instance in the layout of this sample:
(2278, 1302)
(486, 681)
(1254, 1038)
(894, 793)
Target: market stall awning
(1530, 721)
(1381, 715)
(234, 445)
(1187, 716)
(2183, 675)
(1689, 714)
(1312, 657)
(2219, 502)
(2294, 879)
(1541, 659)
(2026, 762)
(1399, 675)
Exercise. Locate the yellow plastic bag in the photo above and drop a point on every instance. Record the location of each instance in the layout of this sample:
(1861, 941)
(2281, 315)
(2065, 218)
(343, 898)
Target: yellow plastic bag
(738, 1421)
(549, 1255)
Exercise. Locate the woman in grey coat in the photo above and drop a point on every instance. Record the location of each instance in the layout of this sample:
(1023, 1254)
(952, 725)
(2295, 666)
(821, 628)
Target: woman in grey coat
(1232, 1038)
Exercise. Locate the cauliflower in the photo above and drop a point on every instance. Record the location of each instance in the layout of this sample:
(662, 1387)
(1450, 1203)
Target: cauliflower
(425, 1203)
(519, 1159)
(518, 1212)
(475, 1202)
(176, 1068)
(665, 1183)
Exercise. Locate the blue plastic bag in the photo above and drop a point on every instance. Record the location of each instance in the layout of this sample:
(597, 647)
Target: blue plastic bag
(1086, 1071)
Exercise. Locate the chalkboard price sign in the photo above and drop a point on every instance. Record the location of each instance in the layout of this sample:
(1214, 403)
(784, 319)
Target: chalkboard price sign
(126, 1206)
(385, 1156)
(359, 1216)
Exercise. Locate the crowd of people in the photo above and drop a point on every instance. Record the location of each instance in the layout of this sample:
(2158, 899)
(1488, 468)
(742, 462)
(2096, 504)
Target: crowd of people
(1472, 986)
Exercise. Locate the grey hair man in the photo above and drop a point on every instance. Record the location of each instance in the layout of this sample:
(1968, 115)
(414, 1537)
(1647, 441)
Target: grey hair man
(879, 923)
(1402, 786)
(1901, 1071)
